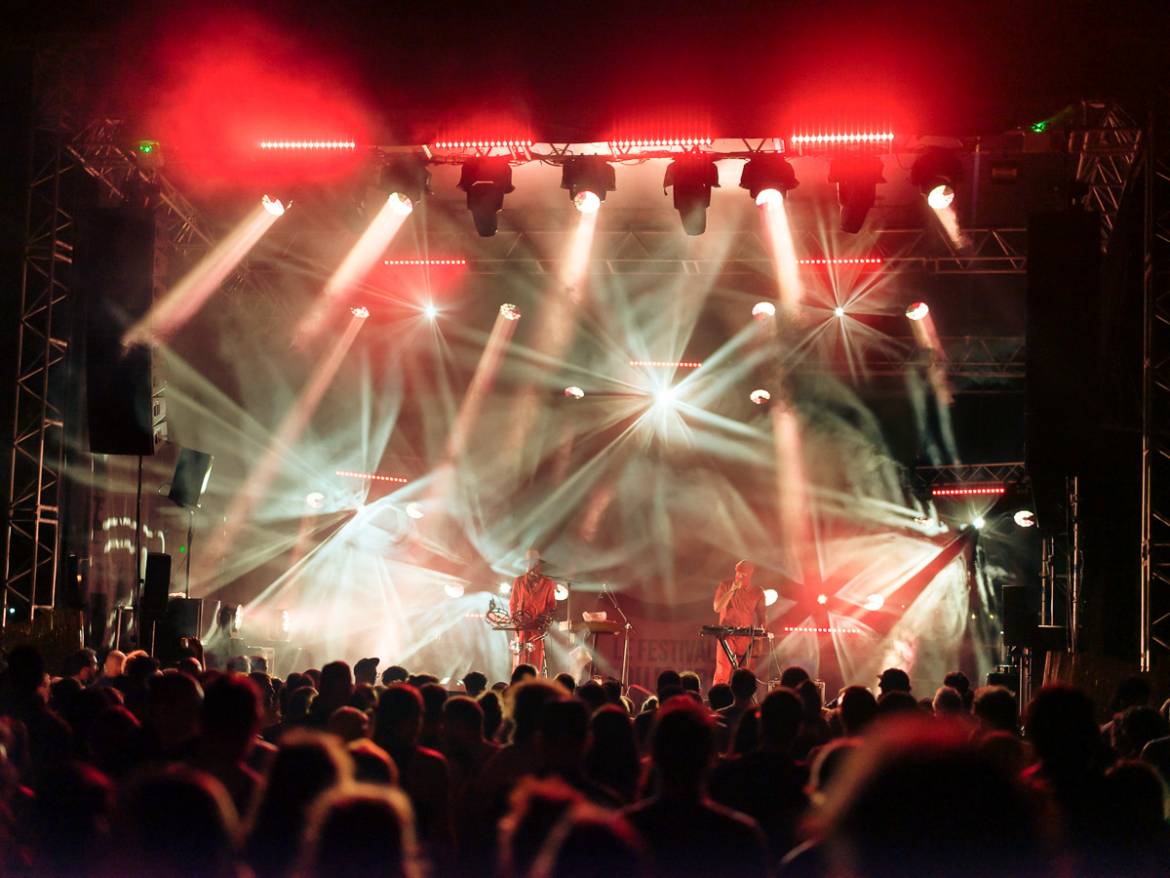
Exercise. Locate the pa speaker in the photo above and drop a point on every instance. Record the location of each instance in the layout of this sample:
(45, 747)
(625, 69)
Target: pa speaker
(1021, 617)
(1063, 389)
(156, 586)
(192, 471)
(116, 269)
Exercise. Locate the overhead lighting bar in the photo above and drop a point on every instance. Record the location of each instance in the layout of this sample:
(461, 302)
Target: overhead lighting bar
(417, 262)
(371, 477)
(968, 491)
(284, 145)
(661, 142)
(817, 629)
(825, 139)
(666, 364)
(482, 144)
(862, 260)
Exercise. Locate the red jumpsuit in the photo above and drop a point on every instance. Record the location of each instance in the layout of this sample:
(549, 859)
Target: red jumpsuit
(533, 595)
(744, 610)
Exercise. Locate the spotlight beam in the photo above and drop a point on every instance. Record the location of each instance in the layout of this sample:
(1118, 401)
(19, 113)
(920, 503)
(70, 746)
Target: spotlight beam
(185, 298)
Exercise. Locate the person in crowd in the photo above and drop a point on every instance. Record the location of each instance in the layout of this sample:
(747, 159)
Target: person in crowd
(522, 672)
(349, 724)
(308, 764)
(690, 682)
(112, 667)
(948, 703)
(592, 694)
(174, 708)
(372, 764)
(493, 714)
(995, 709)
(334, 691)
(898, 702)
(394, 674)
(474, 683)
(767, 783)
(82, 666)
(365, 672)
(536, 807)
(229, 726)
(68, 820)
(590, 841)
(434, 697)
(719, 696)
(564, 730)
(668, 684)
(611, 756)
(743, 689)
(961, 683)
(792, 676)
(566, 682)
(49, 738)
(358, 831)
(856, 709)
(464, 744)
(422, 771)
(814, 727)
(718, 842)
(893, 680)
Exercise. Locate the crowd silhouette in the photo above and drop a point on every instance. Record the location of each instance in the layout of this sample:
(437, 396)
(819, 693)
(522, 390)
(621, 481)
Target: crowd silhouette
(121, 767)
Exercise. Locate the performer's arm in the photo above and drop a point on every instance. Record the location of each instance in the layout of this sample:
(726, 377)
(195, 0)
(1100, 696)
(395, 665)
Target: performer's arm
(762, 612)
(514, 598)
(723, 596)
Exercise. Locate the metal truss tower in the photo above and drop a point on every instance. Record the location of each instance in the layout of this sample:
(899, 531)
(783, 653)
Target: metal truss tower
(1155, 448)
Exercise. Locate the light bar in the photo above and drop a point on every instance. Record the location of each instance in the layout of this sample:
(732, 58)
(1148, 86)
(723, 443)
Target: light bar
(371, 477)
(400, 262)
(815, 629)
(662, 142)
(836, 260)
(971, 491)
(481, 144)
(307, 144)
(666, 364)
(855, 138)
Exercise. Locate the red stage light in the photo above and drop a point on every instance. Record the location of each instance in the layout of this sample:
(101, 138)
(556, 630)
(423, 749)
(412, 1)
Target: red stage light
(968, 491)
(834, 140)
(660, 142)
(311, 145)
(420, 262)
(817, 629)
(372, 477)
(666, 364)
(835, 260)
(482, 144)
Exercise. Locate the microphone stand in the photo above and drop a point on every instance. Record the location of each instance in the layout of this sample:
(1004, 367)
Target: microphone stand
(626, 632)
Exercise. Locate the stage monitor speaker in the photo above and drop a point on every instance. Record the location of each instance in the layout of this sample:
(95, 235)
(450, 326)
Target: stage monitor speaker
(192, 472)
(156, 586)
(182, 620)
(1021, 617)
(116, 267)
(1063, 387)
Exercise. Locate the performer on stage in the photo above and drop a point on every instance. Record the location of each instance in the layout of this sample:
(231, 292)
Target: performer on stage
(741, 605)
(533, 594)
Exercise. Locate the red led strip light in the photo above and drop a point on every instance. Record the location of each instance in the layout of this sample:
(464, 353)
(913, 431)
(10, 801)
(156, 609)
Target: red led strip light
(813, 629)
(372, 477)
(683, 364)
(842, 139)
(974, 491)
(835, 260)
(480, 144)
(662, 141)
(307, 144)
(424, 261)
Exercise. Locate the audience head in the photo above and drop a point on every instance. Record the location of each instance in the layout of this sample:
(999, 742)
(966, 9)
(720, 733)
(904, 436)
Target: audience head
(82, 666)
(434, 697)
(176, 822)
(115, 662)
(1135, 728)
(528, 702)
(173, 709)
(857, 708)
(743, 684)
(897, 702)
(564, 727)
(68, 816)
(720, 696)
(589, 842)
(523, 672)
(1131, 692)
(947, 702)
(493, 713)
(958, 681)
(537, 806)
(462, 722)
(359, 831)
(683, 745)
(474, 683)
(372, 764)
(996, 709)
(780, 717)
(592, 694)
(349, 724)
(793, 676)
(231, 715)
(667, 680)
(1059, 723)
(336, 683)
(566, 682)
(399, 716)
(827, 766)
(394, 674)
(894, 680)
(690, 681)
(364, 697)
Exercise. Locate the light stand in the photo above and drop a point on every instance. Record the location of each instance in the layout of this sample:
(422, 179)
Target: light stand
(627, 628)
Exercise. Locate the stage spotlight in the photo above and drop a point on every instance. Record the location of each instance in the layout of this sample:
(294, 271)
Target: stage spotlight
(665, 397)
(430, 312)
(509, 311)
(693, 178)
(406, 179)
(822, 599)
(935, 173)
(414, 510)
(762, 310)
(314, 499)
(767, 178)
(874, 602)
(505, 588)
(917, 310)
(838, 311)
(561, 592)
(453, 590)
(361, 312)
(760, 396)
(273, 205)
(1025, 518)
(588, 178)
(770, 596)
(574, 392)
(400, 204)
(856, 178)
(486, 182)
(977, 522)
